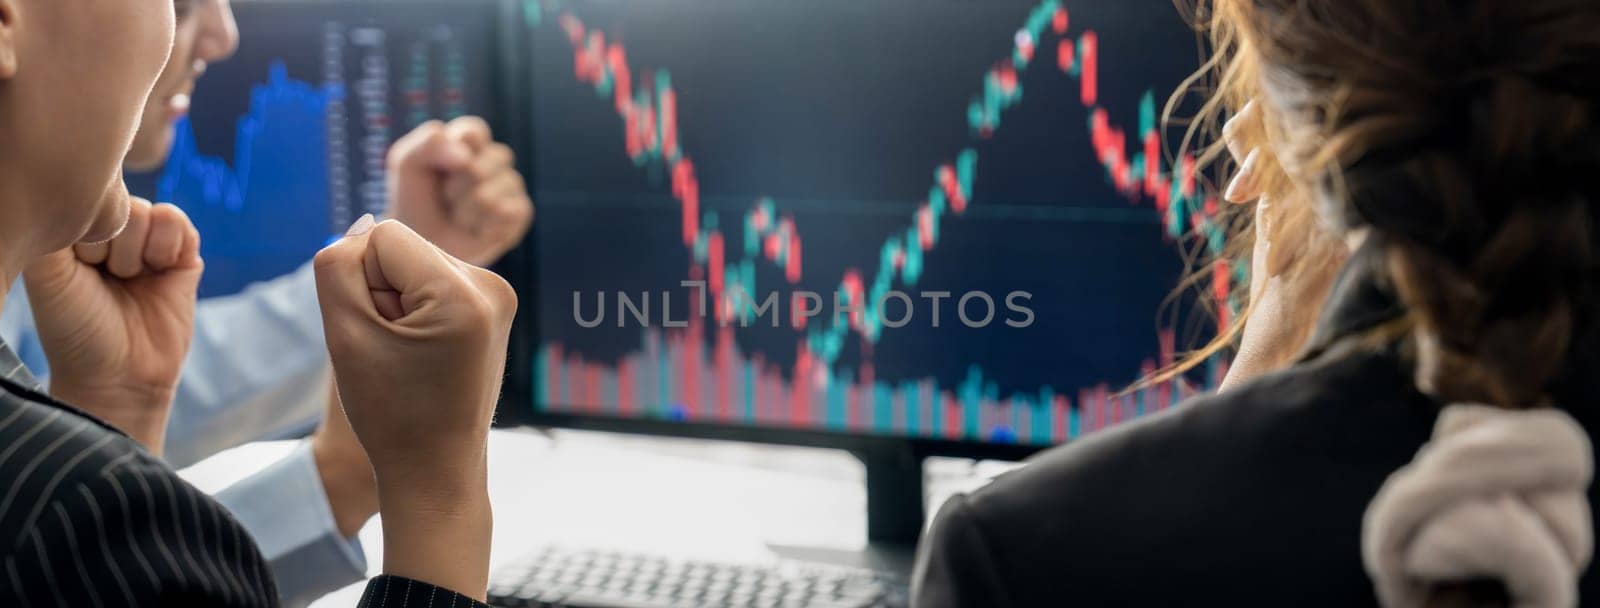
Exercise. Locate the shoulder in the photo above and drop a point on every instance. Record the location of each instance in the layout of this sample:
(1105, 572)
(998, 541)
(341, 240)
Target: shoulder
(1290, 458)
(46, 454)
(957, 565)
(1275, 424)
(88, 516)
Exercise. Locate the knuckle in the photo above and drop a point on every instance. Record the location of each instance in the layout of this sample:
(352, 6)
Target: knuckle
(481, 172)
(501, 295)
(478, 309)
(427, 130)
(389, 230)
(163, 257)
(125, 270)
(488, 193)
(494, 291)
(522, 206)
(507, 212)
(138, 215)
(176, 215)
(510, 219)
(88, 253)
(494, 162)
(424, 132)
(330, 257)
(470, 122)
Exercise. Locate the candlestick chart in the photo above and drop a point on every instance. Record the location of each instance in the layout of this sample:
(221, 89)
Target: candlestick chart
(859, 150)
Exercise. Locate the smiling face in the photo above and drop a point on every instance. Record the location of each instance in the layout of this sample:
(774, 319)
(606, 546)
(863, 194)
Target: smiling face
(206, 34)
(74, 76)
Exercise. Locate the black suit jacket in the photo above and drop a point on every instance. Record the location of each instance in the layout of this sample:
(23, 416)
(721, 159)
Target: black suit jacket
(1253, 497)
(89, 518)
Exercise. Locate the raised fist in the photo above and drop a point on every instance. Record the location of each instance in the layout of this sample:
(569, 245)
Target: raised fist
(115, 318)
(418, 341)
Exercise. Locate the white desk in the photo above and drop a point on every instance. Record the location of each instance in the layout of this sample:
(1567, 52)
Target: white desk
(712, 500)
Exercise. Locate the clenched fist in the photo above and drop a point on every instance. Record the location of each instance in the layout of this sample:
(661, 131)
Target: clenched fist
(418, 341)
(115, 318)
(457, 187)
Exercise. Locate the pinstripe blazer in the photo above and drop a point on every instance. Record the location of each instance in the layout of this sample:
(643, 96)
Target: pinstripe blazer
(89, 518)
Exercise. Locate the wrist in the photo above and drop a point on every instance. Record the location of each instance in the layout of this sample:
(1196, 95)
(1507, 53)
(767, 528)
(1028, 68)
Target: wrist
(139, 411)
(437, 486)
(448, 548)
(348, 481)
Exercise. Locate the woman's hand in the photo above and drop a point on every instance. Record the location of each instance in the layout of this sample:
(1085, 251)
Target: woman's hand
(1246, 188)
(343, 466)
(1285, 295)
(115, 319)
(418, 341)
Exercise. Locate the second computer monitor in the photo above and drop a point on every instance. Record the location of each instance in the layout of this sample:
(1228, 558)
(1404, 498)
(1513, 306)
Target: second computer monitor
(286, 140)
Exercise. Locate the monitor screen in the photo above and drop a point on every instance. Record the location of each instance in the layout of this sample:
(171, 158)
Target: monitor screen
(285, 142)
(947, 220)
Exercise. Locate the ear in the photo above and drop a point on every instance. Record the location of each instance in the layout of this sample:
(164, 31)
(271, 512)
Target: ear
(9, 12)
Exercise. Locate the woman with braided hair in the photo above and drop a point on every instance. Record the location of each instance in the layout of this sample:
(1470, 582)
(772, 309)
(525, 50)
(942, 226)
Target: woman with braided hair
(1430, 445)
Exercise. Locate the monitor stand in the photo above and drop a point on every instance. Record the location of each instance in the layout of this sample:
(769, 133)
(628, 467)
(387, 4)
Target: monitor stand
(896, 501)
(895, 512)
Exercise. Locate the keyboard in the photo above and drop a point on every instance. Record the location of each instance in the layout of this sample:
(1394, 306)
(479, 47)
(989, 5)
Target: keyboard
(579, 578)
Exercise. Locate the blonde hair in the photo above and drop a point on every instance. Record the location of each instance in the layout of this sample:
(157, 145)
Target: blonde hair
(1227, 80)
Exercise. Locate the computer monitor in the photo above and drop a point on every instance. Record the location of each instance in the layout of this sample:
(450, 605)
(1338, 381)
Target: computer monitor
(286, 141)
(984, 183)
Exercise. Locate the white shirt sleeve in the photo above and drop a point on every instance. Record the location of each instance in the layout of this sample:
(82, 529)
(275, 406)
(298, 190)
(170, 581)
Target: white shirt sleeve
(285, 508)
(257, 369)
(16, 328)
